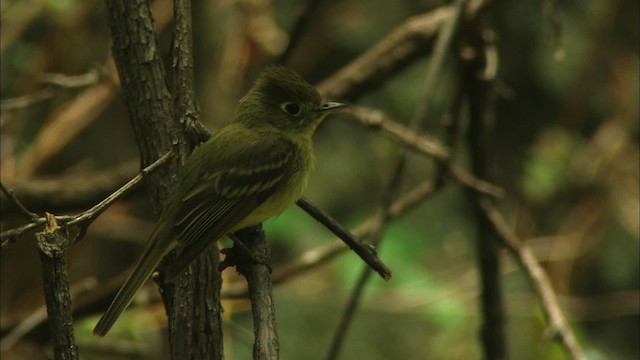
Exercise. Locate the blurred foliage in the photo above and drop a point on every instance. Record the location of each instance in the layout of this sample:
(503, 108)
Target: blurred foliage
(563, 143)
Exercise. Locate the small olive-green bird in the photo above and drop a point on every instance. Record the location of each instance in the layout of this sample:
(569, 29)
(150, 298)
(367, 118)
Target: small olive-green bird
(251, 170)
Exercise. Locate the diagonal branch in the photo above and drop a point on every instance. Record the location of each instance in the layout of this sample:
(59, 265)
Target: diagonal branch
(424, 144)
(84, 219)
(410, 41)
(558, 327)
(366, 251)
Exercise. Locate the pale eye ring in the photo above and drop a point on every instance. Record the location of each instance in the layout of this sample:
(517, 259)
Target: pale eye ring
(291, 108)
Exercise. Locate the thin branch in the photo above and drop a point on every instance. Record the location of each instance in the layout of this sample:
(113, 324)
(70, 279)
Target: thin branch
(53, 245)
(408, 42)
(9, 194)
(24, 101)
(469, 180)
(51, 80)
(558, 327)
(443, 42)
(451, 126)
(85, 218)
(71, 81)
(75, 115)
(70, 191)
(366, 252)
(377, 120)
(422, 143)
(88, 216)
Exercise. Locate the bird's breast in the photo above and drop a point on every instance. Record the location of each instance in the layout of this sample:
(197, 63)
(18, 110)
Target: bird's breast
(288, 191)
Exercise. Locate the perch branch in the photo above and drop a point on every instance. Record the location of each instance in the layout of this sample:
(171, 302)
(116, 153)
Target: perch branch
(53, 245)
(366, 252)
(266, 344)
(424, 144)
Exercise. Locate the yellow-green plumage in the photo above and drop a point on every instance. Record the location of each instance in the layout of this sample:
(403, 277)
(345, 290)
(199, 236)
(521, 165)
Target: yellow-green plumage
(251, 170)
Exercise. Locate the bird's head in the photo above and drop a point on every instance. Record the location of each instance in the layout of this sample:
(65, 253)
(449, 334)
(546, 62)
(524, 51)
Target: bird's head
(282, 99)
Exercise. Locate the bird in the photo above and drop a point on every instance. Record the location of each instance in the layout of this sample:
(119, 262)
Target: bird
(249, 171)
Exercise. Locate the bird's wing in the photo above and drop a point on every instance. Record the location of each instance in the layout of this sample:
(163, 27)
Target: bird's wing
(221, 198)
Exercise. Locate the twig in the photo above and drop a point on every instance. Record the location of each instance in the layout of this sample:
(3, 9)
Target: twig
(366, 252)
(70, 191)
(85, 218)
(21, 102)
(558, 327)
(467, 179)
(408, 42)
(71, 81)
(51, 80)
(378, 120)
(9, 194)
(443, 42)
(422, 143)
(88, 216)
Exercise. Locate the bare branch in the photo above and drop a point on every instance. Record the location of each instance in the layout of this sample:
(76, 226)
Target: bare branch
(24, 101)
(69, 192)
(85, 218)
(9, 194)
(71, 81)
(408, 42)
(422, 143)
(558, 327)
(366, 252)
(88, 216)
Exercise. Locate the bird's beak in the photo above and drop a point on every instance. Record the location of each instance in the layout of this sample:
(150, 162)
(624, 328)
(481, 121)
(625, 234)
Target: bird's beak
(330, 105)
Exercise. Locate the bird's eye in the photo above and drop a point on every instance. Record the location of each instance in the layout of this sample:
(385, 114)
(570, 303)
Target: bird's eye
(291, 108)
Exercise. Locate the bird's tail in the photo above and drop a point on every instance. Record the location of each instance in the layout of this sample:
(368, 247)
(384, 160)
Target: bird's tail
(153, 253)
